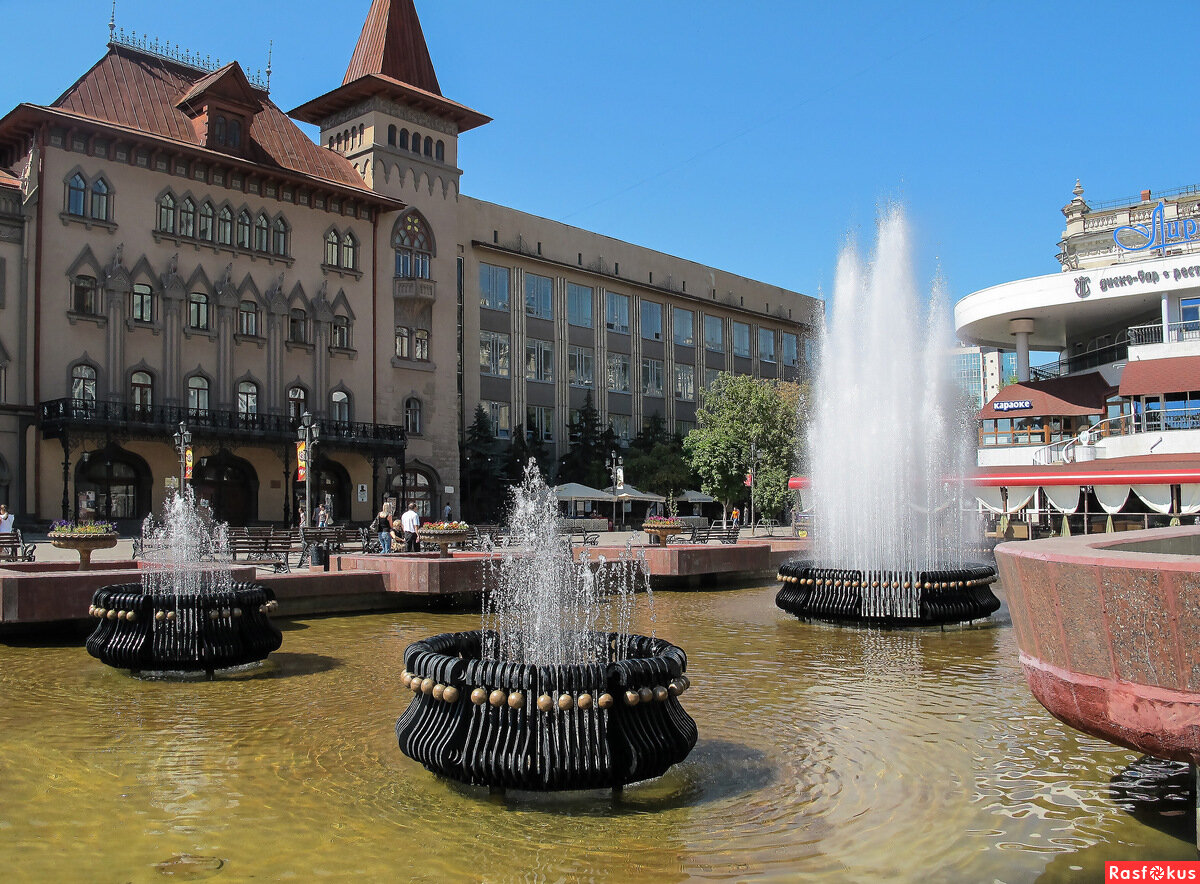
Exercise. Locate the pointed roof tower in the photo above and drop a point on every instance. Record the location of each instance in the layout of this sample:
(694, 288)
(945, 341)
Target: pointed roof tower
(393, 44)
(392, 61)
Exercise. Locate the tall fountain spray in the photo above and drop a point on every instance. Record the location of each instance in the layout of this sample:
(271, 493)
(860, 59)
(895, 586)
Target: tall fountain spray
(888, 453)
(554, 692)
(187, 615)
(544, 606)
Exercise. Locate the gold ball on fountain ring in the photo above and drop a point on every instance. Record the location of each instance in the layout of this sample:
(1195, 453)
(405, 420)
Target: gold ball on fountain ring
(479, 696)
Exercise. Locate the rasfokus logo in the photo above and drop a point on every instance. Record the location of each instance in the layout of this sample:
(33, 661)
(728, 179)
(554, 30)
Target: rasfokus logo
(1139, 870)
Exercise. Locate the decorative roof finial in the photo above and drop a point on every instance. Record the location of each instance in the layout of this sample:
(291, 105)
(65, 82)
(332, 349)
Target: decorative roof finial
(1078, 191)
(270, 49)
(112, 22)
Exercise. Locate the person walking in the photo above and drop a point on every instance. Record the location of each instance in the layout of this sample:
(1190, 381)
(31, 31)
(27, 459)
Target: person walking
(7, 520)
(409, 523)
(383, 525)
(446, 513)
(322, 516)
(735, 516)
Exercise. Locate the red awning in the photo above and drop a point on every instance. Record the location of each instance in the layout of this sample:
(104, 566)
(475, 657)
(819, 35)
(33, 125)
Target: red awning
(1057, 397)
(1150, 377)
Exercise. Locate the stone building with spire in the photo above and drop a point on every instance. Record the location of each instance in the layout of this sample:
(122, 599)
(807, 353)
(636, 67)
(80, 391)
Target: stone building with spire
(174, 249)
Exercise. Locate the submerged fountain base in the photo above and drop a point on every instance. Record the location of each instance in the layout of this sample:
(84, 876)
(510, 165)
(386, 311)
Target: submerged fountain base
(164, 632)
(544, 728)
(887, 598)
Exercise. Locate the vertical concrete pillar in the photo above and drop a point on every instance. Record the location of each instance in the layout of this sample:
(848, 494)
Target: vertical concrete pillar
(1166, 318)
(1021, 329)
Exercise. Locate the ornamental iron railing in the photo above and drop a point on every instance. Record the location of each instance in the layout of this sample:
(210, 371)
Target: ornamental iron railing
(59, 416)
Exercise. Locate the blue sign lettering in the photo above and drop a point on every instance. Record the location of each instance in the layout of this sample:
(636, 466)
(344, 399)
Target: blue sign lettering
(1158, 234)
(1012, 405)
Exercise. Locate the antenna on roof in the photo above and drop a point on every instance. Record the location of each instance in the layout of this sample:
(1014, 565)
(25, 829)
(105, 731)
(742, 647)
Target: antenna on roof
(112, 22)
(270, 49)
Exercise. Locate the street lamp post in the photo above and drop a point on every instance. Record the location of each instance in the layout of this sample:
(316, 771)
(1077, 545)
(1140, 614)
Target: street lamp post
(615, 465)
(308, 433)
(753, 470)
(183, 439)
(389, 467)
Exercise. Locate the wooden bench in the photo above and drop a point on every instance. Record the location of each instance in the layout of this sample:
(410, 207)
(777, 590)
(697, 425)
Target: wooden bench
(13, 548)
(263, 551)
(728, 534)
(579, 537)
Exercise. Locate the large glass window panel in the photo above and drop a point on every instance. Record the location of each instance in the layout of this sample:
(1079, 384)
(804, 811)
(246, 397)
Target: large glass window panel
(539, 360)
(581, 367)
(685, 383)
(616, 313)
(741, 339)
(494, 353)
(493, 287)
(714, 334)
(652, 377)
(790, 350)
(618, 373)
(539, 296)
(683, 324)
(650, 318)
(579, 305)
(766, 345)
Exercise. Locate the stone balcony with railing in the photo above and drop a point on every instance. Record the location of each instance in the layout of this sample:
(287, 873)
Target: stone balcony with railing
(1158, 341)
(414, 289)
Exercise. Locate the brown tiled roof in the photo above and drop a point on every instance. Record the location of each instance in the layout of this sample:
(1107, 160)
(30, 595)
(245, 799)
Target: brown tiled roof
(1146, 377)
(10, 179)
(1075, 395)
(141, 92)
(393, 44)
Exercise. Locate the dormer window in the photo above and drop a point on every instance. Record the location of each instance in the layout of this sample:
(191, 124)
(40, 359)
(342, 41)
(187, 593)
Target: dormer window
(234, 138)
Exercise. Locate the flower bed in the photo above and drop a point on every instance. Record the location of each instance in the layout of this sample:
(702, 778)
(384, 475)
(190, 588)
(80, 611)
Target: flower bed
(67, 528)
(658, 522)
(445, 528)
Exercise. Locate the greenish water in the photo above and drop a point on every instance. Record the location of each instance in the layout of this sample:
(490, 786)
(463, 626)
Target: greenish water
(824, 754)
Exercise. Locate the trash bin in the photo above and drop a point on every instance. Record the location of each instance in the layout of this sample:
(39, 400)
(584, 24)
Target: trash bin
(319, 557)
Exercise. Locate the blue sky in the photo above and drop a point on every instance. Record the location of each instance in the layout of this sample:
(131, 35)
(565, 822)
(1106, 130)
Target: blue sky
(753, 136)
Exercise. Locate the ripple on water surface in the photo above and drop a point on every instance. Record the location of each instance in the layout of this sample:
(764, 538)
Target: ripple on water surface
(825, 753)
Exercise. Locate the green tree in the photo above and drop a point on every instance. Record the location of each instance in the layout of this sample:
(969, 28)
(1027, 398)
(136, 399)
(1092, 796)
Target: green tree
(655, 460)
(590, 444)
(739, 411)
(520, 449)
(481, 468)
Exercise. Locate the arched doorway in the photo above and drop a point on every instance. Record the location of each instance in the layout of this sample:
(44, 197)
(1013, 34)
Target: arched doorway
(114, 485)
(331, 486)
(230, 486)
(421, 491)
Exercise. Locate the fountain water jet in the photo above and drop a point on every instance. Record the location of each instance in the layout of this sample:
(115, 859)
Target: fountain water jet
(187, 615)
(554, 693)
(887, 450)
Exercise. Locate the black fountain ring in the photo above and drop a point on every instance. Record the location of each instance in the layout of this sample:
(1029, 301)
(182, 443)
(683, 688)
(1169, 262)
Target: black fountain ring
(887, 598)
(160, 631)
(546, 728)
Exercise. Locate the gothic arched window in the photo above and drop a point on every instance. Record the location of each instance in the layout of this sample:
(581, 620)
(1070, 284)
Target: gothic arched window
(414, 247)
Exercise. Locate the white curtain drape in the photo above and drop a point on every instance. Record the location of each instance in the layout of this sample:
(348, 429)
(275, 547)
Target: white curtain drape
(1112, 497)
(1018, 496)
(1189, 499)
(1157, 497)
(1064, 498)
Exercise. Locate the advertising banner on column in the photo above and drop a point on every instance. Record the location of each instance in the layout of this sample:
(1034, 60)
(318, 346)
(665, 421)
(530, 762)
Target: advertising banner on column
(301, 460)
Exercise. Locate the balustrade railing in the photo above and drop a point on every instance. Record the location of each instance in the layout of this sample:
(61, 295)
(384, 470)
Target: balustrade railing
(1080, 362)
(59, 415)
(1177, 332)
